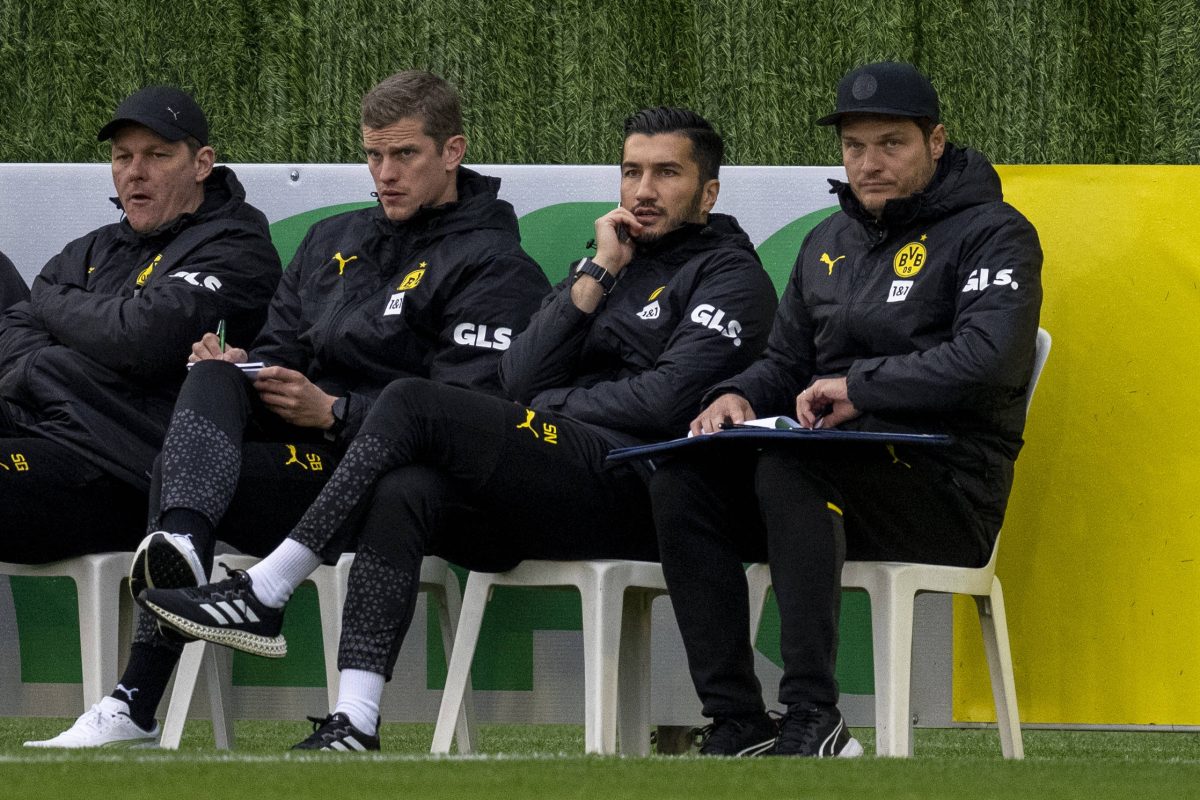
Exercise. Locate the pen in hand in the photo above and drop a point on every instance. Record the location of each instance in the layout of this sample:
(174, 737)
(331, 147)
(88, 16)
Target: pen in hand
(221, 334)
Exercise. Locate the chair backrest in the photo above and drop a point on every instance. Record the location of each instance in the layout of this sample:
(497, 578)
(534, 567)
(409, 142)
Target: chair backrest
(1040, 351)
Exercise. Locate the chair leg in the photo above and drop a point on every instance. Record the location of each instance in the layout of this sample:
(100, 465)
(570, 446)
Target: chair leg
(891, 633)
(602, 616)
(758, 580)
(994, 624)
(331, 583)
(458, 671)
(449, 606)
(186, 675)
(633, 681)
(99, 628)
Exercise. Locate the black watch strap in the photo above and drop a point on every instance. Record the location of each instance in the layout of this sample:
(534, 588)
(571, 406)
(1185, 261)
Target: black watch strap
(585, 266)
(339, 409)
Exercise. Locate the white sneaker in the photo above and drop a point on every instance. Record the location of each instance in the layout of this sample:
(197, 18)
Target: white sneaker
(165, 561)
(106, 724)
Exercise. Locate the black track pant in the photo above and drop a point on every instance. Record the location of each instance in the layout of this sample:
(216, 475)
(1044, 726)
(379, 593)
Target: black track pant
(480, 481)
(55, 504)
(804, 510)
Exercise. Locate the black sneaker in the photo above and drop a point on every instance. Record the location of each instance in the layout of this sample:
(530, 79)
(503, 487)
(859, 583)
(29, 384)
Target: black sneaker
(336, 733)
(225, 613)
(165, 561)
(727, 736)
(815, 731)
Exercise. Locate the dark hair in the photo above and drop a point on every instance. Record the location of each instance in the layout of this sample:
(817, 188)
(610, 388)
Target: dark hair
(707, 148)
(415, 93)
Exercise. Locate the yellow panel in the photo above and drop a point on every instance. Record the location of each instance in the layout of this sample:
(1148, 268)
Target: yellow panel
(1102, 541)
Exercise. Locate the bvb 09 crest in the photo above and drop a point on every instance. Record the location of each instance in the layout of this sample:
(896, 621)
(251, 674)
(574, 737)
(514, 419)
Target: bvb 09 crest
(909, 260)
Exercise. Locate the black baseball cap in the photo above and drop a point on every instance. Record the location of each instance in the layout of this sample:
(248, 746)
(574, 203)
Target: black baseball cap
(169, 112)
(888, 88)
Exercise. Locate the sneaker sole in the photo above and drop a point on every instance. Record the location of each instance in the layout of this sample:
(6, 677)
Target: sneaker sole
(124, 744)
(169, 567)
(252, 643)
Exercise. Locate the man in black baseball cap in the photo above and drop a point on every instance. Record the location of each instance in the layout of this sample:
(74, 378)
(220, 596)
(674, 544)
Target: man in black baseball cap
(914, 309)
(91, 363)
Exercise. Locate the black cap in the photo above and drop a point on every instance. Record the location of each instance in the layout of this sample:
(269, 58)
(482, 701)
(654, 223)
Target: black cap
(888, 88)
(169, 112)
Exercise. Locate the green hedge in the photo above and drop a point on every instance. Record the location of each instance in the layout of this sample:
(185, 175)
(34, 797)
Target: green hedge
(1106, 81)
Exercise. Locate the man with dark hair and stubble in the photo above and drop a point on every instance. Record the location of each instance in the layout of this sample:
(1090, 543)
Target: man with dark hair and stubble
(674, 300)
(429, 284)
(913, 309)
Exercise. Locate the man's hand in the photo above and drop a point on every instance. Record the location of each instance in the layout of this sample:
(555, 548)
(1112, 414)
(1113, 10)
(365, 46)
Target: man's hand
(209, 349)
(613, 252)
(294, 397)
(731, 408)
(825, 404)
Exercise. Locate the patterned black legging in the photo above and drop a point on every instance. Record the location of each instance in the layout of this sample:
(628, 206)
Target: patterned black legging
(480, 481)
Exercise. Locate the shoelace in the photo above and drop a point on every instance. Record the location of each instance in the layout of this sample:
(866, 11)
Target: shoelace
(98, 719)
(725, 727)
(800, 727)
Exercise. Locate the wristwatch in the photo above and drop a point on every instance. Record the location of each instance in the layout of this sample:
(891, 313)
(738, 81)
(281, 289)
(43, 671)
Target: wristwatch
(338, 409)
(585, 266)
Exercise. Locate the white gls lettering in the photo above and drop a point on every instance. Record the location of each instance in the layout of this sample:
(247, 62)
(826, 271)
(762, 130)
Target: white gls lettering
(981, 279)
(712, 317)
(477, 336)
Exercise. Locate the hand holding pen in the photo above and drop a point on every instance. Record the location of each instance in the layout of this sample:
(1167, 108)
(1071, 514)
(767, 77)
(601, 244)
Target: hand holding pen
(213, 346)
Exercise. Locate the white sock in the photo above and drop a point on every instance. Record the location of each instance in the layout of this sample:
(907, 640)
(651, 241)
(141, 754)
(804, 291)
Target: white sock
(277, 576)
(359, 693)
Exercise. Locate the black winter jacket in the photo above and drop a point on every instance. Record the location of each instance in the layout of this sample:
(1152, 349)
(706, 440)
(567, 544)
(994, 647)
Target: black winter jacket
(12, 285)
(367, 301)
(688, 310)
(930, 313)
(95, 357)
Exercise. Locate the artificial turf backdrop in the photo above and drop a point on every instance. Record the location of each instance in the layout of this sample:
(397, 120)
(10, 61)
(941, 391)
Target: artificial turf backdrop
(1103, 81)
(529, 762)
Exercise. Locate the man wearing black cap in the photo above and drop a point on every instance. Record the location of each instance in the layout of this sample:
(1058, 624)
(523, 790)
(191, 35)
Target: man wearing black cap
(91, 363)
(913, 309)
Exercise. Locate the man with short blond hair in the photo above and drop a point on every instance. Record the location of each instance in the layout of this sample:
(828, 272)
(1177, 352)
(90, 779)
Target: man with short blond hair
(371, 295)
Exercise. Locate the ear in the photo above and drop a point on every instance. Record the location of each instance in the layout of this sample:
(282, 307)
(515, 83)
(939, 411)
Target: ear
(205, 157)
(453, 151)
(708, 194)
(937, 141)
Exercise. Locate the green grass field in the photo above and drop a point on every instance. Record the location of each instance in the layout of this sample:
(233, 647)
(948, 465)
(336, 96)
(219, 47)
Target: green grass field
(545, 761)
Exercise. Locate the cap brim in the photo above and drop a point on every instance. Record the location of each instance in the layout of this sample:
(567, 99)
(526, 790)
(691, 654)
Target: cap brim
(166, 131)
(831, 119)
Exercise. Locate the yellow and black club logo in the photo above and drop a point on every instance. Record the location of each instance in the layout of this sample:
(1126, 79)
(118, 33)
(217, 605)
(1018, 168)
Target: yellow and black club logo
(654, 295)
(413, 278)
(145, 274)
(909, 259)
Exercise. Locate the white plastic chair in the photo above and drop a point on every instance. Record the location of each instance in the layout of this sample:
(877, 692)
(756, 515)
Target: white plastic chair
(102, 606)
(893, 587)
(616, 597)
(437, 581)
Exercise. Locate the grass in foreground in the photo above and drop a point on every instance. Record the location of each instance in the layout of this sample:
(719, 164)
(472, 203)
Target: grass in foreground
(546, 761)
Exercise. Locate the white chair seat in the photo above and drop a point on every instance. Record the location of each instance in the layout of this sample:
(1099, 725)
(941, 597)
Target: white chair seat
(616, 597)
